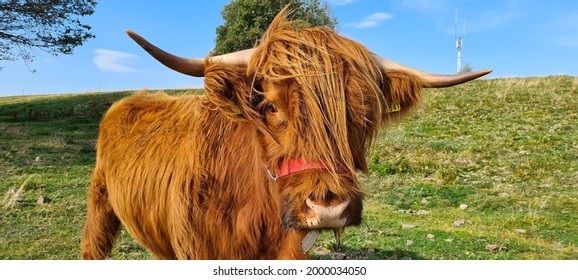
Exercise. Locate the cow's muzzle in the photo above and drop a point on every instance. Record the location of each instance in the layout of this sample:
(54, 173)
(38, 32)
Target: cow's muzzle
(320, 216)
(316, 197)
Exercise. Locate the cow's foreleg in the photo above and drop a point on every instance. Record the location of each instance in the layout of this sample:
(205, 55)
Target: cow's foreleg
(102, 224)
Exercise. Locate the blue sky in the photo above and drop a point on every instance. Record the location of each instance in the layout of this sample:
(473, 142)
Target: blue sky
(516, 38)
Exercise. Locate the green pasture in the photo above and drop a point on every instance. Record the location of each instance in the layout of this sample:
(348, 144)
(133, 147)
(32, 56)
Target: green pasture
(485, 170)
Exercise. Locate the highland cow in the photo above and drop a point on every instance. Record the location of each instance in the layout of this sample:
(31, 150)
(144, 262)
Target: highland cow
(259, 165)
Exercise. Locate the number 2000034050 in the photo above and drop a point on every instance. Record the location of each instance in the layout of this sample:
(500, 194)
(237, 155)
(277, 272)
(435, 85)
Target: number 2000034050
(332, 270)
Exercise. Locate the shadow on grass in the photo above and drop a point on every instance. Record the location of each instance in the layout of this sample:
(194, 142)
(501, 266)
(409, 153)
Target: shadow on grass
(348, 253)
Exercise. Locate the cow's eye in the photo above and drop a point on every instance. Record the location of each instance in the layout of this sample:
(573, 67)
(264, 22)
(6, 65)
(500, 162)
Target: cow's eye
(270, 108)
(267, 107)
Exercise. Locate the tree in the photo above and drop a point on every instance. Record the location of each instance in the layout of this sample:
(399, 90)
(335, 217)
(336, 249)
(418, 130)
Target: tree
(245, 21)
(466, 69)
(52, 26)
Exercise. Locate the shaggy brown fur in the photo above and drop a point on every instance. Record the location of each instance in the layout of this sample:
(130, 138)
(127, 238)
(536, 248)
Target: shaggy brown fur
(187, 176)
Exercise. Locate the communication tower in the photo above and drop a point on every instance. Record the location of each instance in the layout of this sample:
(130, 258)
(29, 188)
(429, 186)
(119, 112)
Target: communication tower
(459, 39)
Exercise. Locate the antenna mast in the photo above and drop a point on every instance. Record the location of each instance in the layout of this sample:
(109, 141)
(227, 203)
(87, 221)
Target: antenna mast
(459, 40)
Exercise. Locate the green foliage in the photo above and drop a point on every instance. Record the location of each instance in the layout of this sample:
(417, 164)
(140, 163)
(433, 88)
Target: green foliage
(49, 25)
(245, 21)
(384, 168)
(466, 68)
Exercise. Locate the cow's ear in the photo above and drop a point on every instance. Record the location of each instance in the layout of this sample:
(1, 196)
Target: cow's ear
(402, 92)
(228, 90)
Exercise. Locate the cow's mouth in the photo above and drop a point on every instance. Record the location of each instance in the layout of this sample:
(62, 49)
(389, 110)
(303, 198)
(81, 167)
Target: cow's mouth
(327, 216)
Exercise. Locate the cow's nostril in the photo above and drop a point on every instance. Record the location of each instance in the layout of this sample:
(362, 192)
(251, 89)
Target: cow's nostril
(329, 196)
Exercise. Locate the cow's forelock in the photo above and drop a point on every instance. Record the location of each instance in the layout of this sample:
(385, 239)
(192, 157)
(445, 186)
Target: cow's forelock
(334, 92)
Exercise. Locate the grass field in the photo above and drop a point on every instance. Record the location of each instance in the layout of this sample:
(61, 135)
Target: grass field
(491, 162)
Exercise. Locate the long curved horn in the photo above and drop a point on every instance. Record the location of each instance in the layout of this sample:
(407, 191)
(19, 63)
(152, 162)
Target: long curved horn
(189, 66)
(432, 80)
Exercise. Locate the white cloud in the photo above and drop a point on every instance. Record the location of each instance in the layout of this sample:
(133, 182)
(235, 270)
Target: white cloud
(340, 2)
(491, 20)
(371, 20)
(425, 5)
(562, 31)
(113, 61)
(485, 18)
(567, 41)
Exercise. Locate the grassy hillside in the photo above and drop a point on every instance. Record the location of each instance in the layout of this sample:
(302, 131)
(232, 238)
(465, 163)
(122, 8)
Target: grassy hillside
(505, 148)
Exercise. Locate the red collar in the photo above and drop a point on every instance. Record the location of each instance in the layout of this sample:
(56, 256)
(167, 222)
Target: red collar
(290, 166)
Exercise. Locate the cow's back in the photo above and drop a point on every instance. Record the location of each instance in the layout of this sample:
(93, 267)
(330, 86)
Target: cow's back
(143, 156)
